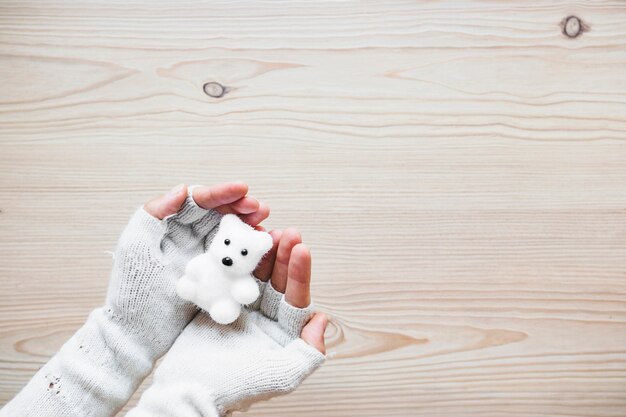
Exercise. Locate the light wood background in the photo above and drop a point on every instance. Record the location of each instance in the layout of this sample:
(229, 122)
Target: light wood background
(458, 168)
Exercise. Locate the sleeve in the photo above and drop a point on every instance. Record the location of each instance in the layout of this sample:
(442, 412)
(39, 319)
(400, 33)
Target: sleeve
(93, 375)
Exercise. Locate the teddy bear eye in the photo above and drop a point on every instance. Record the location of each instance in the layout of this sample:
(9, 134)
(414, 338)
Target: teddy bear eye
(227, 242)
(244, 252)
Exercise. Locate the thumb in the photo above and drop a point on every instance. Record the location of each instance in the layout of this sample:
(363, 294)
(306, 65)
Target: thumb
(313, 332)
(167, 204)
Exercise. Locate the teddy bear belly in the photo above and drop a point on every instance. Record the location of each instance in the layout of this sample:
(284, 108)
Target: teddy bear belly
(212, 289)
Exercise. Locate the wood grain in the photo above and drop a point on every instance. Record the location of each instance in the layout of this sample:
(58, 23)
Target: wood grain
(458, 169)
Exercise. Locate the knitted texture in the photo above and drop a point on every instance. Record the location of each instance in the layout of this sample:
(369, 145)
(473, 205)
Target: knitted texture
(213, 370)
(97, 370)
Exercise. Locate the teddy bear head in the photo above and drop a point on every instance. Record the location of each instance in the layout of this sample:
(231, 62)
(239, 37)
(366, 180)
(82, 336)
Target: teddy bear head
(237, 247)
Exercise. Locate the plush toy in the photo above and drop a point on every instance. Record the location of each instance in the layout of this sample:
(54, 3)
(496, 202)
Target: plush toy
(220, 280)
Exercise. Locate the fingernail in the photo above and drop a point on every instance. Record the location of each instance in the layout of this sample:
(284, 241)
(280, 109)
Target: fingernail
(175, 191)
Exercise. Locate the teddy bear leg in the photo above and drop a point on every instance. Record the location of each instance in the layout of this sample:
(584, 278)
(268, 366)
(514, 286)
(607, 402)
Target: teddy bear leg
(225, 311)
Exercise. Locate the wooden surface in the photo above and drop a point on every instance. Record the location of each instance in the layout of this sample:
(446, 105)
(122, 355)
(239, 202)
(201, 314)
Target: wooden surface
(458, 168)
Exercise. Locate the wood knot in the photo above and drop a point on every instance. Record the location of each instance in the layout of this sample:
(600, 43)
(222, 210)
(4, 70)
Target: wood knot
(573, 27)
(214, 89)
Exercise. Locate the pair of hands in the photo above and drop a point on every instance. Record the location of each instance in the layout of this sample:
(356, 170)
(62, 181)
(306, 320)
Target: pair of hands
(288, 264)
(209, 370)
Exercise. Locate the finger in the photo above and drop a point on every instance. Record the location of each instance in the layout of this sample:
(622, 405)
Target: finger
(290, 238)
(167, 204)
(258, 216)
(245, 205)
(218, 195)
(264, 270)
(298, 292)
(260, 228)
(313, 332)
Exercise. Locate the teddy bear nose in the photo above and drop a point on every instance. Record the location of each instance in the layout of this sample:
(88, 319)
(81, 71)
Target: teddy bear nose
(227, 261)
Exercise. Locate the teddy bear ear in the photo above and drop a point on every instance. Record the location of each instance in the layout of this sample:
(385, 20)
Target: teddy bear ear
(265, 241)
(230, 220)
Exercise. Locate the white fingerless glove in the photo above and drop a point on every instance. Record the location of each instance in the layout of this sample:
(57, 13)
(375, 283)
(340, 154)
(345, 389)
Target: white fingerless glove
(213, 370)
(98, 369)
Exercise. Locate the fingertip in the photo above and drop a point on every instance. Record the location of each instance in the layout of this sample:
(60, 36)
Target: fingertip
(245, 205)
(276, 235)
(209, 197)
(240, 186)
(302, 251)
(233, 188)
(321, 320)
(292, 236)
(299, 269)
(324, 318)
(236, 189)
(261, 213)
(313, 332)
(167, 204)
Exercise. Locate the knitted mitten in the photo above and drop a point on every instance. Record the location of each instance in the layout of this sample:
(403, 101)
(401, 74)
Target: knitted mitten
(97, 370)
(214, 369)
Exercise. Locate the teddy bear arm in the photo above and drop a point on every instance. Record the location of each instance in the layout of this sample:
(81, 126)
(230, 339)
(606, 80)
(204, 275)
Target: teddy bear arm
(197, 266)
(186, 288)
(245, 290)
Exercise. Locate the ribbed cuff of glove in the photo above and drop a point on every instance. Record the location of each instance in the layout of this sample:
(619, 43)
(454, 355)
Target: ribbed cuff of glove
(291, 319)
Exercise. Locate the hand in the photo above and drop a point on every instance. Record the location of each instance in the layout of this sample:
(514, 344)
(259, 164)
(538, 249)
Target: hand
(213, 370)
(155, 247)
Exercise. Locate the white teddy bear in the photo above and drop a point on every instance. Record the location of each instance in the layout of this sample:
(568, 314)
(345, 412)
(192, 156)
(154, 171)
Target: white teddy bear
(220, 280)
